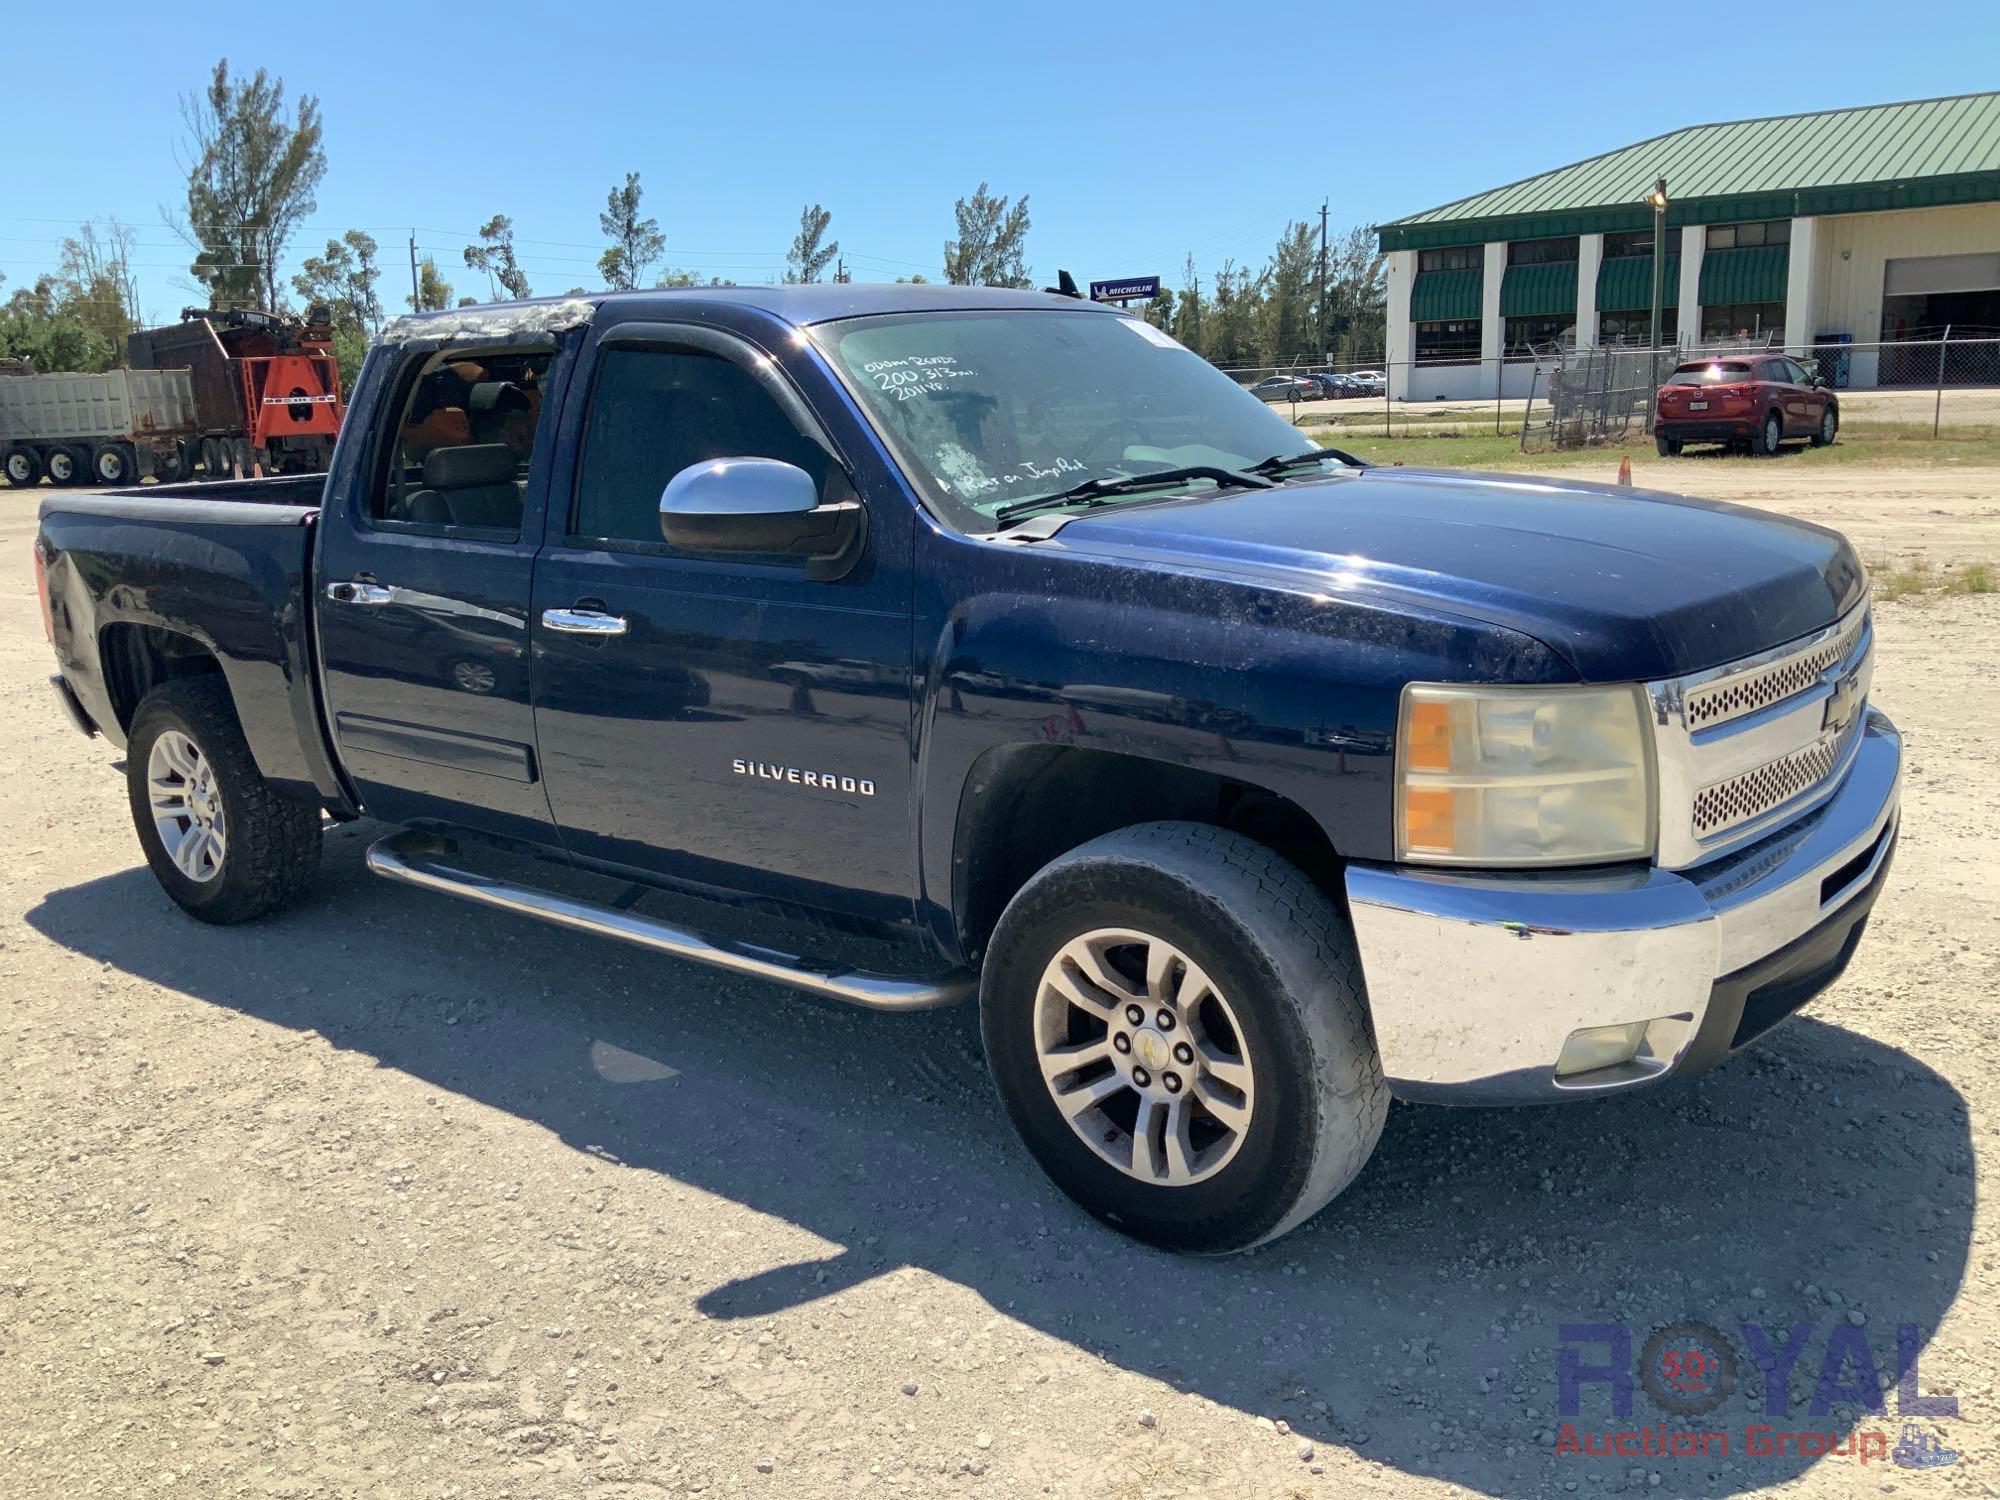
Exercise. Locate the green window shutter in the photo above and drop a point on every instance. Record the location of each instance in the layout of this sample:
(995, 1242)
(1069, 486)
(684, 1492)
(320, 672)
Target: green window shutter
(1436, 296)
(1540, 291)
(1755, 273)
(1626, 284)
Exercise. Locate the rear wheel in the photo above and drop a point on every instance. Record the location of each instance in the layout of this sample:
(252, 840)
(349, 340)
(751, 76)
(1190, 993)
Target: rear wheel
(113, 463)
(221, 842)
(64, 466)
(1667, 447)
(1829, 424)
(22, 467)
(1770, 435)
(1175, 1020)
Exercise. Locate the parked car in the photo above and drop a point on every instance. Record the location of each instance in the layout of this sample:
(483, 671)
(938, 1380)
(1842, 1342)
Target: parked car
(1369, 382)
(1334, 387)
(1285, 388)
(1753, 401)
(1245, 784)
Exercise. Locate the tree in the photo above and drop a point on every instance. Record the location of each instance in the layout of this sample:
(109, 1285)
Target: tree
(1357, 295)
(95, 286)
(253, 166)
(991, 248)
(1290, 311)
(344, 279)
(433, 291)
(635, 242)
(35, 325)
(1159, 310)
(496, 257)
(1187, 310)
(808, 257)
(1234, 328)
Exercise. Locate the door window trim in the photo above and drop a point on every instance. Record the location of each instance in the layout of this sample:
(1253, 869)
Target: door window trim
(387, 437)
(692, 338)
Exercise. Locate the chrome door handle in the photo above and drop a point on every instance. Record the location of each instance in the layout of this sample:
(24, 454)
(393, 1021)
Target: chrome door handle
(583, 622)
(359, 593)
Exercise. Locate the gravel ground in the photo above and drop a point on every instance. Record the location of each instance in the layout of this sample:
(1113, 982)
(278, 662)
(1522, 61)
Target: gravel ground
(391, 1196)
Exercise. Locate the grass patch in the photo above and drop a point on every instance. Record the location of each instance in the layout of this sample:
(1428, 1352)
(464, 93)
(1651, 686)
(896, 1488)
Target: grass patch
(1459, 444)
(1917, 579)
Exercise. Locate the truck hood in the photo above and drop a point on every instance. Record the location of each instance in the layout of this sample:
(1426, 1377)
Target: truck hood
(1626, 584)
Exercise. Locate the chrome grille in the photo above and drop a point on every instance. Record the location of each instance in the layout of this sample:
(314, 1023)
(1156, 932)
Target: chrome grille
(1734, 695)
(1744, 747)
(1729, 804)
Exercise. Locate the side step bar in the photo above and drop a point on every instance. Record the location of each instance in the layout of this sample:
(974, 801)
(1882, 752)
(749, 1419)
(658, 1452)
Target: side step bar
(423, 859)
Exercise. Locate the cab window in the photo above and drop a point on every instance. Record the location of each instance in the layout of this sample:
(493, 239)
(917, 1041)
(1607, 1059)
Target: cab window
(654, 412)
(464, 443)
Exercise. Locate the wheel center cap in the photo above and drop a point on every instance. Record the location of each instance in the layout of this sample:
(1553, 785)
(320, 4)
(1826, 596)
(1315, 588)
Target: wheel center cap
(1151, 1049)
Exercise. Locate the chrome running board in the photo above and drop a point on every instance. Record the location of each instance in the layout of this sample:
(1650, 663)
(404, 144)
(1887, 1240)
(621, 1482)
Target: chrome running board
(423, 859)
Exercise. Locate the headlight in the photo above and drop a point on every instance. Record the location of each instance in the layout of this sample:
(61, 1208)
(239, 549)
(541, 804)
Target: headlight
(1523, 776)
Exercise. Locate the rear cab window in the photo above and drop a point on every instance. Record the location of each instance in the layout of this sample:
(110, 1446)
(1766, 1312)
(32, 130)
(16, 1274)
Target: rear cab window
(463, 442)
(1712, 372)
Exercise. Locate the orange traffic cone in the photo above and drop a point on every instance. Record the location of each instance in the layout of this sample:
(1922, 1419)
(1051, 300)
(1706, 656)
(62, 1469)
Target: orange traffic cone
(1625, 469)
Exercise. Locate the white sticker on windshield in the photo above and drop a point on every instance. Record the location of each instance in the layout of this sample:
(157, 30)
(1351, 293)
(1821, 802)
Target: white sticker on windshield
(1153, 335)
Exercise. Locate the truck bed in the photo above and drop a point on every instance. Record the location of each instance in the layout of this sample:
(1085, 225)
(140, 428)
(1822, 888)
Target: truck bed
(292, 491)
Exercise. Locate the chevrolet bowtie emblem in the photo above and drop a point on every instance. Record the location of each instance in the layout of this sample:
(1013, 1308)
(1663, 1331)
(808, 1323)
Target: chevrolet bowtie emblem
(1842, 706)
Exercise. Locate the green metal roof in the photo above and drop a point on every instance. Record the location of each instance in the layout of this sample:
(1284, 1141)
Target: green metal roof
(1920, 154)
(1440, 296)
(1755, 273)
(1625, 283)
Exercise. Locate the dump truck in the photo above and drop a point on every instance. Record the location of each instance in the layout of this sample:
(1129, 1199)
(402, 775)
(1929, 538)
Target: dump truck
(266, 387)
(113, 428)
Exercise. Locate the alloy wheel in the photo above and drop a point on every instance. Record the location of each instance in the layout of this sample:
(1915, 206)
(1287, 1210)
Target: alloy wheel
(187, 806)
(1143, 1056)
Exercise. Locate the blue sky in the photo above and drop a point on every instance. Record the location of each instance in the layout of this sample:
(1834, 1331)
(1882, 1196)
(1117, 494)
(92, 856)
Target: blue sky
(1139, 134)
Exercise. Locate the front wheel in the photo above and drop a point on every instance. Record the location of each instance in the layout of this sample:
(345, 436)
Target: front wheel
(220, 840)
(1175, 1019)
(1829, 424)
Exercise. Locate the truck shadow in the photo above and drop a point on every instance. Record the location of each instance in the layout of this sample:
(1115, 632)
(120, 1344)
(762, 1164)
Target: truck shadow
(1416, 1320)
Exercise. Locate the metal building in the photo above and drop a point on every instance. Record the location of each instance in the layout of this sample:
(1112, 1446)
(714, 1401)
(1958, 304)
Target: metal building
(1857, 235)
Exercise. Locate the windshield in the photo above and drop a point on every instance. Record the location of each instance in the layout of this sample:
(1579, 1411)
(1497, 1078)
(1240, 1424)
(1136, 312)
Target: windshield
(986, 409)
(1710, 374)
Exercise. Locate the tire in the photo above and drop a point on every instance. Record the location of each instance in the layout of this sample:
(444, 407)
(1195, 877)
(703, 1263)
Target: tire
(270, 845)
(1667, 447)
(1282, 982)
(211, 459)
(1770, 436)
(65, 466)
(244, 460)
(113, 463)
(1829, 424)
(22, 468)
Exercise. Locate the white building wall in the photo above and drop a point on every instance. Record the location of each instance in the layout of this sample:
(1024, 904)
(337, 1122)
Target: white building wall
(1694, 245)
(1492, 327)
(1402, 342)
(1851, 254)
(1800, 284)
(1589, 256)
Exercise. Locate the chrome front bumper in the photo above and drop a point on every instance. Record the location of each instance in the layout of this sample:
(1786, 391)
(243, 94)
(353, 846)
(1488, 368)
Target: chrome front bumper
(1475, 983)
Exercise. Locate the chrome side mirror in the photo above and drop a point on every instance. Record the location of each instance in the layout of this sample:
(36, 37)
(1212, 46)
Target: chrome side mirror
(761, 505)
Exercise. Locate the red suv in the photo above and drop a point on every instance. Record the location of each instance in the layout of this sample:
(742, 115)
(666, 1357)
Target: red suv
(1756, 400)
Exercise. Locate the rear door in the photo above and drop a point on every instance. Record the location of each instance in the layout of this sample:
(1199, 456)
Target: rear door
(727, 721)
(423, 595)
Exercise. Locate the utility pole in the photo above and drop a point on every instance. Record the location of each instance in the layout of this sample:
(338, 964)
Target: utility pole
(416, 295)
(1325, 353)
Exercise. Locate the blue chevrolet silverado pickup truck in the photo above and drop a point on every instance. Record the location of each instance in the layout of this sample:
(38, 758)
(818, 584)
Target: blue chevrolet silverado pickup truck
(995, 636)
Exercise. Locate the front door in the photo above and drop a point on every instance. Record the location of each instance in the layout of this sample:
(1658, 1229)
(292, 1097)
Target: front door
(423, 593)
(725, 721)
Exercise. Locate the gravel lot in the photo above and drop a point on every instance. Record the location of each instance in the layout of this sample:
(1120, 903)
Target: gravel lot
(394, 1197)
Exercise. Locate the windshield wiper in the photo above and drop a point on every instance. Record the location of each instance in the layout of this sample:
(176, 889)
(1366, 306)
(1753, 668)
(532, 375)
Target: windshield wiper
(1279, 463)
(1106, 486)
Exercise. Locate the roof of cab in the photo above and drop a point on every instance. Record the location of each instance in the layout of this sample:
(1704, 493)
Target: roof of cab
(821, 302)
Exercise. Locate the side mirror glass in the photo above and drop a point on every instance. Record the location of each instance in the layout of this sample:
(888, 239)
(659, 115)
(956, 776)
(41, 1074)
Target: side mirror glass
(761, 505)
